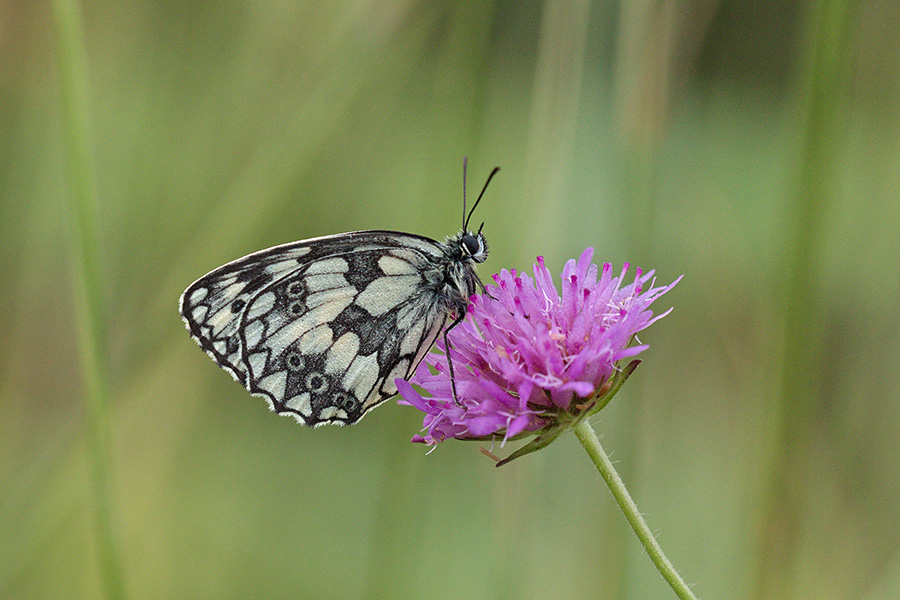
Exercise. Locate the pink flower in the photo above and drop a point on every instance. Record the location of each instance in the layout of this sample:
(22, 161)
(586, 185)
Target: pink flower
(528, 358)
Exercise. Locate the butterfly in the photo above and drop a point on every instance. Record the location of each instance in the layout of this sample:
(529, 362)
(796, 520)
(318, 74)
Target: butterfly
(321, 328)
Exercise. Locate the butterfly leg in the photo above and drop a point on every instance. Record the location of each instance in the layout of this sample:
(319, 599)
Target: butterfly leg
(484, 290)
(455, 322)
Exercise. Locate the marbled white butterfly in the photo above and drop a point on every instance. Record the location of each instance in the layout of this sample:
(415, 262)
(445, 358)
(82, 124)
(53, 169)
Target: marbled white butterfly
(320, 328)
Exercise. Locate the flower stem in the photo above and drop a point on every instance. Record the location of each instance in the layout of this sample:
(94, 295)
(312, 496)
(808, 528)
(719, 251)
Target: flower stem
(591, 444)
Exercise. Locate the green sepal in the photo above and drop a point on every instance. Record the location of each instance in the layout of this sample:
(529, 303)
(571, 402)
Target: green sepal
(578, 412)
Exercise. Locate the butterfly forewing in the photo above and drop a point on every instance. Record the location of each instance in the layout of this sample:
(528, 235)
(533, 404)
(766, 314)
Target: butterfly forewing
(321, 328)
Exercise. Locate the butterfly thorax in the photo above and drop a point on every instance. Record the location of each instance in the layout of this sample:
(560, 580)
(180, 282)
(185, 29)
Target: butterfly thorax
(454, 279)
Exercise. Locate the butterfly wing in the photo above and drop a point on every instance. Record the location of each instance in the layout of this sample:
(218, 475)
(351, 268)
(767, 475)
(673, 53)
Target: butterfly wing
(321, 328)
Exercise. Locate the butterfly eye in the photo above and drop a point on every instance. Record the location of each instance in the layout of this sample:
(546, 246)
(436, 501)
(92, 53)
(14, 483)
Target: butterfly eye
(475, 246)
(471, 244)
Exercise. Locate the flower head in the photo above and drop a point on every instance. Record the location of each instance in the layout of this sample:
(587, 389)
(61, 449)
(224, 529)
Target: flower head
(529, 356)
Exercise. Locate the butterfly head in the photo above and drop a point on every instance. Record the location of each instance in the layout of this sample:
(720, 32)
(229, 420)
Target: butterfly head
(474, 245)
(466, 247)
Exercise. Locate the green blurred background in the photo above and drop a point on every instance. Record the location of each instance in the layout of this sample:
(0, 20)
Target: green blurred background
(752, 146)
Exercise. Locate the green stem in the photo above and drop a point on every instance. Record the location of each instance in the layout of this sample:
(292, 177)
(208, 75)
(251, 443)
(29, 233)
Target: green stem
(589, 440)
(88, 298)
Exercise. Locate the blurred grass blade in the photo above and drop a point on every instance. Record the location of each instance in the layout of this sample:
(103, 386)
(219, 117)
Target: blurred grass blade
(799, 401)
(552, 123)
(81, 188)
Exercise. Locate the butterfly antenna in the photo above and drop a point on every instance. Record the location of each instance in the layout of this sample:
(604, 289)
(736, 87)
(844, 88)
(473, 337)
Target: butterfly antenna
(465, 163)
(474, 206)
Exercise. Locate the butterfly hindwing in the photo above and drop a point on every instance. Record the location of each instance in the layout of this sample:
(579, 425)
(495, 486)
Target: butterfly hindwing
(321, 328)
(212, 306)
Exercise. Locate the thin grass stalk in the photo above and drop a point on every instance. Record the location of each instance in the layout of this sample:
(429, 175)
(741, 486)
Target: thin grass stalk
(826, 70)
(552, 123)
(87, 295)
